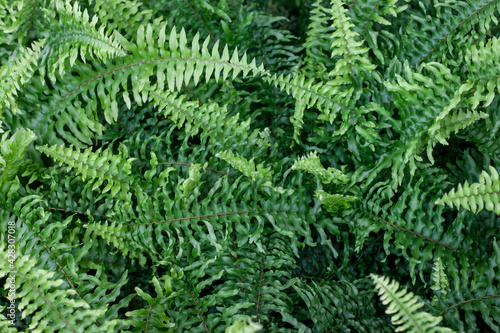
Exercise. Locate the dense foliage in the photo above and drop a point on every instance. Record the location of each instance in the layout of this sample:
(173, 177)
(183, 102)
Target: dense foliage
(237, 166)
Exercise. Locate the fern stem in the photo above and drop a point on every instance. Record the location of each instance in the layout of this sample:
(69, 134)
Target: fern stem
(180, 163)
(196, 303)
(62, 271)
(128, 129)
(201, 21)
(412, 232)
(212, 215)
(260, 286)
(467, 301)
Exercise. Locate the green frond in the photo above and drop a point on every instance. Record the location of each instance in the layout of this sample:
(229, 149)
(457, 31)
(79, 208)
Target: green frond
(334, 203)
(317, 43)
(16, 73)
(352, 56)
(312, 164)
(443, 127)
(404, 306)
(116, 234)
(12, 151)
(123, 16)
(248, 168)
(167, 56)
(478, 58)
(73, 34)
(22, 17)
(325, 97)
(451, 27)
(39, 295)
(97, 167)
(439, 278)
(477, 196)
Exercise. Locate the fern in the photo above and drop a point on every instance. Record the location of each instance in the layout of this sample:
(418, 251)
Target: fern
(212, 166)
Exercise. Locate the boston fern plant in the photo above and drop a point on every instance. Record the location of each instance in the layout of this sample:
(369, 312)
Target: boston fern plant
(245, 166)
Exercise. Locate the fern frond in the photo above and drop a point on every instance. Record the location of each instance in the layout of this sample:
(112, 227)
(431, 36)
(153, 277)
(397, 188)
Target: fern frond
(116, 234)
(448, 29)
(43, 299)
(317, 44)
(73, 34)
(123, 16)
(439, 278)
(312, 164)
(443, 127)
(14, 74)
(353, 57)
(12, 153)
(248, 168)
(325, 97)
(477, 196)
(478, 58)
(334, 203)
(96, 167)
(23, 17)
(404, 308)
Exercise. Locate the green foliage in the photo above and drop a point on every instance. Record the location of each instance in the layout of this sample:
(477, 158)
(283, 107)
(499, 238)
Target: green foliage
(212, 166)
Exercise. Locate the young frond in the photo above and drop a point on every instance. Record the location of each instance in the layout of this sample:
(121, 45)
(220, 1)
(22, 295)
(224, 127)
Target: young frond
(312, 164)
(116, 234)
(248, 168)
(334, 203)
(439, 278)
(482, 64)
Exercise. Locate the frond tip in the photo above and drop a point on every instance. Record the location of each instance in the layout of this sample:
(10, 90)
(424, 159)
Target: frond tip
(475, 197)
(404, 306)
